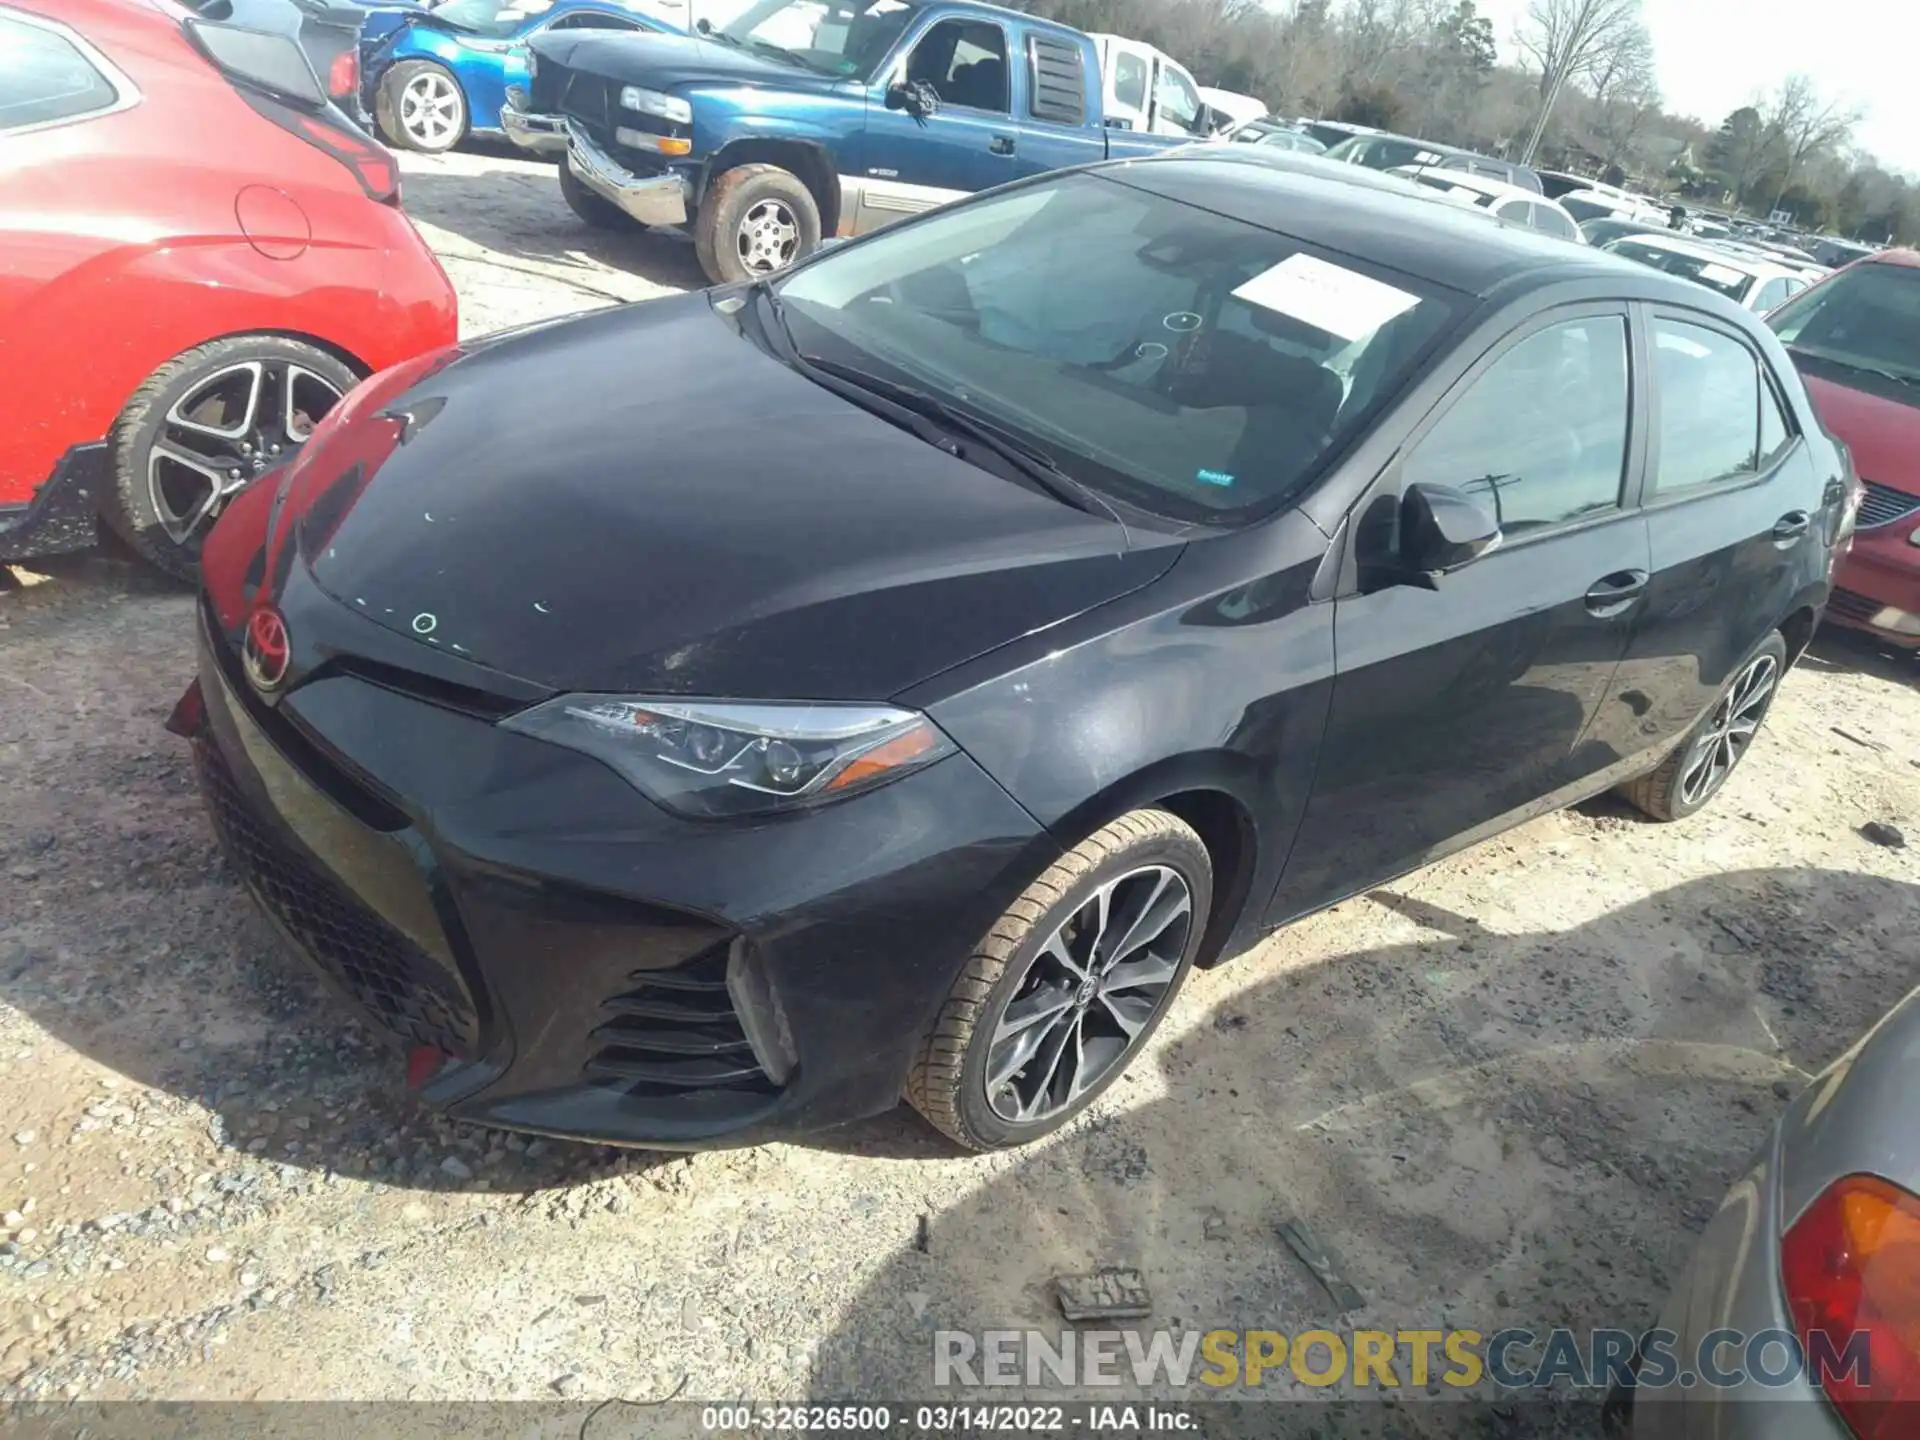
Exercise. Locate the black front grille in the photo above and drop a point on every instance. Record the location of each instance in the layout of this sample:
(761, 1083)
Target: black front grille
(676, 1031)
(1883, 505)
(410, 993)
(1849, 605)
(590, 100)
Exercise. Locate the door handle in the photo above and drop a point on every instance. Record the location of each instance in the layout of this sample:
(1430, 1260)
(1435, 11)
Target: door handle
(1000, 145)
(1790, 527)
(1611, 594)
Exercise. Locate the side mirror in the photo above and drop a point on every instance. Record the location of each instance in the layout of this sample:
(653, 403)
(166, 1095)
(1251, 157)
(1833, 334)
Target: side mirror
(703, 25)
(917, 97)
(1442, 529)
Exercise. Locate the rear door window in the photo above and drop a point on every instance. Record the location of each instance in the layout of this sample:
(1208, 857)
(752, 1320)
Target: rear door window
(1540, 437)
(46, 77)
(1130, 80)
(1710, 405)
(1549, 221)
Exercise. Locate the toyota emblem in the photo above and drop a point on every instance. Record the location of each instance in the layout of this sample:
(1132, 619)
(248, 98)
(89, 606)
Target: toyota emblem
(265, 653)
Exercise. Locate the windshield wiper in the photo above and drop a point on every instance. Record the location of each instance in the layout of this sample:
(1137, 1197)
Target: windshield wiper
(1026, 460)
(1858, 366)
(792, 57)
(928, 416)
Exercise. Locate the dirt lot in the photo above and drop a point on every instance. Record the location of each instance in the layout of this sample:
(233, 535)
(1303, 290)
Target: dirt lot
(1509, 1090)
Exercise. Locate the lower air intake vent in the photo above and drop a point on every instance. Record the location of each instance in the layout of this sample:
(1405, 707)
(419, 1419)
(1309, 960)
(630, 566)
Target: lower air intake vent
(1851, 605)
(677, 1031)
(1884, 505)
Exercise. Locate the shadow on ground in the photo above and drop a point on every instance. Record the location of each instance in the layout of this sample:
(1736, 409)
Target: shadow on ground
(1531, 1128)
(516, 214)
(1835, 648)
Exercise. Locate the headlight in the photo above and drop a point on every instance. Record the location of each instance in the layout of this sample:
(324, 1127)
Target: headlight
(713, 758)
(653, 102)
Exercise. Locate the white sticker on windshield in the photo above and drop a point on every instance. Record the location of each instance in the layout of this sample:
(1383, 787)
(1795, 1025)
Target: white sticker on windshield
(1341, 302)
(1720, 275)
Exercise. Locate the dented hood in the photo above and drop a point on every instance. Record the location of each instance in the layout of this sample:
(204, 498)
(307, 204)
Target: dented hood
(643, 500)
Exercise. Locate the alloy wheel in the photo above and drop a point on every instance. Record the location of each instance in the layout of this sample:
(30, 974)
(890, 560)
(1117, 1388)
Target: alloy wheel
(229, 428)
(769, 237)
(1088, 993)
(430, 110)
(1729, 730)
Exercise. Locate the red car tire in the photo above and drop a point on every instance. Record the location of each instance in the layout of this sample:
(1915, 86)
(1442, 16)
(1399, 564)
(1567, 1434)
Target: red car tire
(205, 425)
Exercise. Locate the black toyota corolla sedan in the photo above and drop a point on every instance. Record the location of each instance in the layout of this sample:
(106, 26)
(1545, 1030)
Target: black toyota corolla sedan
(716, 718)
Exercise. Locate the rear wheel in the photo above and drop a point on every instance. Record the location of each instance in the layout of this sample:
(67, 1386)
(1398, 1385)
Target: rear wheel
(1693, 774)
(1067, 985)
(594, 210)
(755, 220)
(420, 106)
(206, 424)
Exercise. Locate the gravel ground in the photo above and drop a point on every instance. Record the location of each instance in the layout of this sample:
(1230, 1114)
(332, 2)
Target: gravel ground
(1508, 1090)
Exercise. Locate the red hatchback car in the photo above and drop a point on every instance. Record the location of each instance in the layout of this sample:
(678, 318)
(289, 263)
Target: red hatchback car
(1855, 338)
(199, 255)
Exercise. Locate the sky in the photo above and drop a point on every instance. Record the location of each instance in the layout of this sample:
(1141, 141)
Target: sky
(1716, 55)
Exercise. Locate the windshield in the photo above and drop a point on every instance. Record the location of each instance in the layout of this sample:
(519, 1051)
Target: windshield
(1451, 186)
(1867, 317)
(494, 18)
(835, 37)
(1730, 282)
(1187, 363)
(1383, 153)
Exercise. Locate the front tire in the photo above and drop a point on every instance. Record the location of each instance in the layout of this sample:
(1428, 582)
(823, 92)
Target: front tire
(420, 106)
(755, 220)
(1700, 764)
(203, 426)
(1067, 986)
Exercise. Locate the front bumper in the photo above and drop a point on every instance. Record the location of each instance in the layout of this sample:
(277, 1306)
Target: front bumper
(536, 134)
(661, 199)
(1878, 587)
(589, 965)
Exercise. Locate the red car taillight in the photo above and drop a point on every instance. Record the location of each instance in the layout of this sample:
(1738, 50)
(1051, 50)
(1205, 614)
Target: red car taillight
(272, 75)
(1851, 1266)
(343, 76)
(370, 161)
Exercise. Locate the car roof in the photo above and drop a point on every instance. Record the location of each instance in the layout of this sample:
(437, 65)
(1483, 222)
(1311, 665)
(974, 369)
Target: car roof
(1893, 257)
(1373, 217)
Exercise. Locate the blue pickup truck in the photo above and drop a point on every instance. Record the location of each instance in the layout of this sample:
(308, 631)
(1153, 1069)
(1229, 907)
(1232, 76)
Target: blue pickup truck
(800, 119)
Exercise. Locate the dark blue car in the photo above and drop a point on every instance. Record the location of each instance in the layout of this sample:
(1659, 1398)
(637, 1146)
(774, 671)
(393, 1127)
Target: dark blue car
(435, 76)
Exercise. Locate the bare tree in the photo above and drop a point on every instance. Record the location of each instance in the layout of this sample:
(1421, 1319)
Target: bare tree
(1567, 39)
(1806, 125)
(1625, 94)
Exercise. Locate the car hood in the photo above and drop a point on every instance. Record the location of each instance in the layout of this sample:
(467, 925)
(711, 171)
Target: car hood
(643, 500)
(665, 61)
(1883, 433)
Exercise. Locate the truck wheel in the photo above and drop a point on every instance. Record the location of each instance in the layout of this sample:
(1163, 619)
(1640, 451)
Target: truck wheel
(420, 106)
(756, 220)
(595, 211)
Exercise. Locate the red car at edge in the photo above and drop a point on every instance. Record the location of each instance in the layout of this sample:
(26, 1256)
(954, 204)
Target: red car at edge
(1855, 338)
(199, 255)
